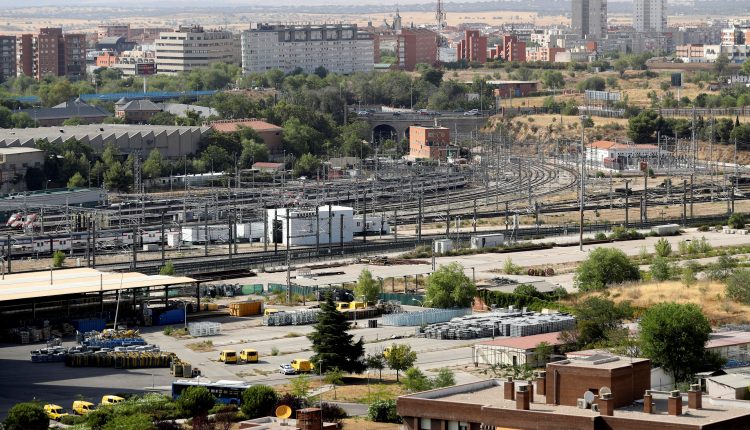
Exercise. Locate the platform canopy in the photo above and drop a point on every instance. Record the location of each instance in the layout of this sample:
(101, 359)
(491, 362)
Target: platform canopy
(60, 282)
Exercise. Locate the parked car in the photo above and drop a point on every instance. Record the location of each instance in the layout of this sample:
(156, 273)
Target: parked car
(286, 369)
(110, 399)
(54, 412)
(363, 113)
(396, 113)
(472, 112)
(423, 112)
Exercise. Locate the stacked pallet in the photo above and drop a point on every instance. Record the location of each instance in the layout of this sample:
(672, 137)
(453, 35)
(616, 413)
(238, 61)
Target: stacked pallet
(510, 323)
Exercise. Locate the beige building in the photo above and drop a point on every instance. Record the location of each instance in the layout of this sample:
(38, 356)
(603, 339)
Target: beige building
(13, 165)
(589, 18)
(190, 48)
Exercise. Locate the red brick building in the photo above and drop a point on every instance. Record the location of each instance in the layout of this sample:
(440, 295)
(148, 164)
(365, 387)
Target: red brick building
(507, 89)
(473, 47)
(414, 46)
(51, 53)
(429, 143)
(531, 405)
(270, 133)
(106, 59)
(509, 49)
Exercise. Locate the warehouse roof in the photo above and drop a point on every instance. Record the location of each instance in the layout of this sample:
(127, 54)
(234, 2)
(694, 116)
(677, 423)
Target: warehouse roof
(89, 132)
(232, 125)
(19, 286)
(525, 342)
(727, 338)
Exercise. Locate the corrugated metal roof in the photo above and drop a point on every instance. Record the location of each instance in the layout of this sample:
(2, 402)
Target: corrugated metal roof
(525, 342)
(60, 282)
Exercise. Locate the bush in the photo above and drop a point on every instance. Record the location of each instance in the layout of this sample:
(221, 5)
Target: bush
(58, 259)
(527, 290)
(415, 380)
(195, 401)
(136, 421)
(738, 286)
(605, 266)
(333, 413)
(510, 268)
(722, 268)
(258, 401)
(663, 248)
(660, 269)
(294, 402)
(167, 269)
(26, 416)
(689, 273)
(99, 418)
(737, 221)
(444, 378)
(383, 411)
(600, 236)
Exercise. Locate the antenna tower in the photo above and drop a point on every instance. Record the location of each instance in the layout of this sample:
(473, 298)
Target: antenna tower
(440, 21)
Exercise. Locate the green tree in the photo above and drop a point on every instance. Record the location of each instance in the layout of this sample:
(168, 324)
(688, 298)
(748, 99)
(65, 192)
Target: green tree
(300, 138)
(663, 248)
(737, 286)
(736, 220)
(252, 152)
(741, 133)
(76, 181)
(332, 344)
(137, 421)
(605, 266)
(542, 353)
(73, 121)
(216, 158)
(307, 165)
(595, 83)
(6, 117)
(722, 268)
(167, 269)
(596, 317)
(661, 270)
(154, 164)
(721, 64)
(553, 79)
(58, 259)
(642, 127)
(376, 361)
(334, 377)
(400, 357)
(196, 401)
(415, 380)
(22, 120)
(444, 378)
(26, 416)
(449, 287)
(621, 65)
(259, 401)
(383, 411)
(117, 178)
(527, 290)
(367, 287)
(674, 337)
(690, 274)
(433, 76)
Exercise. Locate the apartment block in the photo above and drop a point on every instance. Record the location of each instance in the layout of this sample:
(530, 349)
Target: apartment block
(509, 49)
(7, 57)
(50, 52)
(735, 35)
(414, 46)
(543, 54)
(590, 18)
(113, 30)
(190, 48)
(472, 48)
(340, 48)
(650, 15)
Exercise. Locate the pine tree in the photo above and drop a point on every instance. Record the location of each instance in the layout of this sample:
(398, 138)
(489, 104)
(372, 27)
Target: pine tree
(333, 346)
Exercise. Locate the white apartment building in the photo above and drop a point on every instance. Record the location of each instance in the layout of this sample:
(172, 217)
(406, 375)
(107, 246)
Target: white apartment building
(190, 48)
(650, 16)
(340, 48)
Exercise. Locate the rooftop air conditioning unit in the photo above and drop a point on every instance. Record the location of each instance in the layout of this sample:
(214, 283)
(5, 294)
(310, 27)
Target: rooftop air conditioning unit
(582, 404)
(595, 407)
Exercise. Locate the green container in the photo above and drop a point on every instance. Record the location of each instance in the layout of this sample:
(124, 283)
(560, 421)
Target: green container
(252, 289)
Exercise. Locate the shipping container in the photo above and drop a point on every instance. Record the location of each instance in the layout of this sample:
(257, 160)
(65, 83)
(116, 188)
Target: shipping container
(87, 325)
(243, 309)
(174, 316)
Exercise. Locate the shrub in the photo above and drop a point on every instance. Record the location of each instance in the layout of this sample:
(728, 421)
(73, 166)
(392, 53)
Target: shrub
(660, 269)
(722, 268)
(136, 421)
(737, 220)
(444, 378)
(689, 274)
(58, 259)
(415, 380)
(663, 248)
(167, 269)
(527, 290)
(258, 401)
(274, 351)
(605, 266)
(195, 401)
(26, 416)
(738, 286)
(383, 411)
(333, 413)
(510, 268)
(600, 236)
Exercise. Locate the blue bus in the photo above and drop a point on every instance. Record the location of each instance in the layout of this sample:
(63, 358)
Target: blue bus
(226, 392)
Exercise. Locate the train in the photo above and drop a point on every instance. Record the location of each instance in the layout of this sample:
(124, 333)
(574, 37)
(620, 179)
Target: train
(108, 239)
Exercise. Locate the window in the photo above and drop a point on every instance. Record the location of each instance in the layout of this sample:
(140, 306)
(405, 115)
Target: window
(425, 424)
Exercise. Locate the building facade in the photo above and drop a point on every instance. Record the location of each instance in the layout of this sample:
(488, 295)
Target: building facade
(415, 46)
(74, 53)
(650, 15)
(50, 52)
(25, 61)
(589, 18)
(340, 48)
(190, 48)
(7, 57)
(472, 48)
(113, 30)
(429, 142)
(13, 165)
(510, 48)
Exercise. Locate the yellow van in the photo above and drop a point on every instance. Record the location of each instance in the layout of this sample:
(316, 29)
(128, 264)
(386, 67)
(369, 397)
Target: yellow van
(301, 365)
(268, 312)
(54, 412)
(110, 399)
(249, 356)
(228, 356)
(344, 306)
(82, 407)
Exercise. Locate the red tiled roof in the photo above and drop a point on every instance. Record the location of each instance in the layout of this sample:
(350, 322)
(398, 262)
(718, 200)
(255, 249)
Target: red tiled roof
(266, 165)
(525, 342)
(230, 126)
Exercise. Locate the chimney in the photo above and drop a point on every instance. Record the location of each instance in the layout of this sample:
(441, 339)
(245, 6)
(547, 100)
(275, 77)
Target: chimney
(674, 403)
(509, 389)
(541, 383)
(607, 404)
(695, 397)
(522, 397)
(648, 403)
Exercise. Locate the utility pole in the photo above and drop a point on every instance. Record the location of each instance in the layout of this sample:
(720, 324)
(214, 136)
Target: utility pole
(364, 219)
(583, 180)
(161, 242)
(206, 235)
(627, 201)
(645, 195)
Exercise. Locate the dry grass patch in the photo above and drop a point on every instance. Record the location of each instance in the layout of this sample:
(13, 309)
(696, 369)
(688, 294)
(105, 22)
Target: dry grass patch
(708, 295)
(202, 346)
(358, 423)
